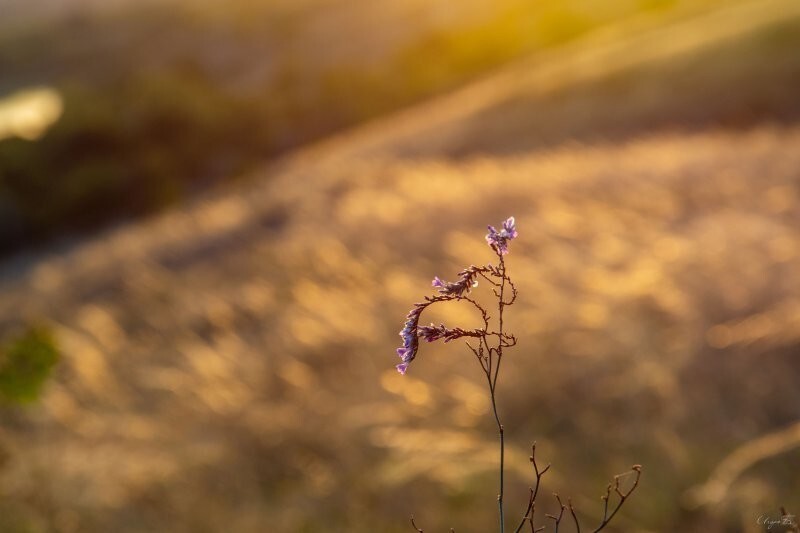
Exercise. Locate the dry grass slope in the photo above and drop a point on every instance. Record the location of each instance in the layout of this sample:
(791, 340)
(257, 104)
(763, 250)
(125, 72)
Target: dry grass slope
(228, 365)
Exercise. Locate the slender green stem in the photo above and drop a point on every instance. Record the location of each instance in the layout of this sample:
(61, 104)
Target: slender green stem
(500, 309)
(502, 461)
(492, 388)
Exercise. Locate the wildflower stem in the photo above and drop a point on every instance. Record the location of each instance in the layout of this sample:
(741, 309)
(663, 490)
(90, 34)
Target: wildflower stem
(489, 357)
(492, 388)
(500, 305)
(502, 461)
(502, 448)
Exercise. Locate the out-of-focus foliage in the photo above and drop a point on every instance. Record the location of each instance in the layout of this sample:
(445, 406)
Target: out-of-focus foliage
(165, 99)
(124, 151)
(25, 364)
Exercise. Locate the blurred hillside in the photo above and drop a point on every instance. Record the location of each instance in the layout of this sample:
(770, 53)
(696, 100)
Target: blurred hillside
(227, 364)
(160, 100)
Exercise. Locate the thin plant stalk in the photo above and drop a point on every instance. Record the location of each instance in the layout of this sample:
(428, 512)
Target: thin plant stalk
(490, 356)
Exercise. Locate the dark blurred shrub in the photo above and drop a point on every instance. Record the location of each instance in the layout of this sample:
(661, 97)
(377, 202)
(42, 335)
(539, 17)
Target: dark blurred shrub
(121, 150)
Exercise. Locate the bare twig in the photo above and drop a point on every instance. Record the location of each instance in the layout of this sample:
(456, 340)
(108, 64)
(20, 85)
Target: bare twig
(574, 516)
(529, 512)
(557, 519)
(636, 470)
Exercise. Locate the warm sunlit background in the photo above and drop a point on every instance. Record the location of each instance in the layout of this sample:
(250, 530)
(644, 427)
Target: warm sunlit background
(215, 215)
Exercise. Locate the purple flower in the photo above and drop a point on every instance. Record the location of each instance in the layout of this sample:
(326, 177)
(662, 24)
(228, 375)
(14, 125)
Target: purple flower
(407, 355)
(408, 350)
(432, 333)
(498, 240)
(467, 280)
(510, 227)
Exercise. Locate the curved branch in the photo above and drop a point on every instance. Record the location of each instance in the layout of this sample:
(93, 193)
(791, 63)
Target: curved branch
(623, 495)
(529, 512)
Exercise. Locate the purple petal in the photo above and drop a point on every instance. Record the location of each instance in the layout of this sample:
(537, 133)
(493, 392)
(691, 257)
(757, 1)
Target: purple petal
(510, 226)
(402, 367)
(492, 235)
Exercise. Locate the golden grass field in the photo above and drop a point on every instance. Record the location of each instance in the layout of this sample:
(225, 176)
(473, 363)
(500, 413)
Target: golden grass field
(228, 364)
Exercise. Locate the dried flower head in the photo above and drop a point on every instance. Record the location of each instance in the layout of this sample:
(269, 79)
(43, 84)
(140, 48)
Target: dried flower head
(467, 280)
(488, 350)
(409, 334)
(455, 290)
(498, 240)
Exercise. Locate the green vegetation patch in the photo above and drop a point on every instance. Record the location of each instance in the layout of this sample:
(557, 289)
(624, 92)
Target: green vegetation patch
(25, 364)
